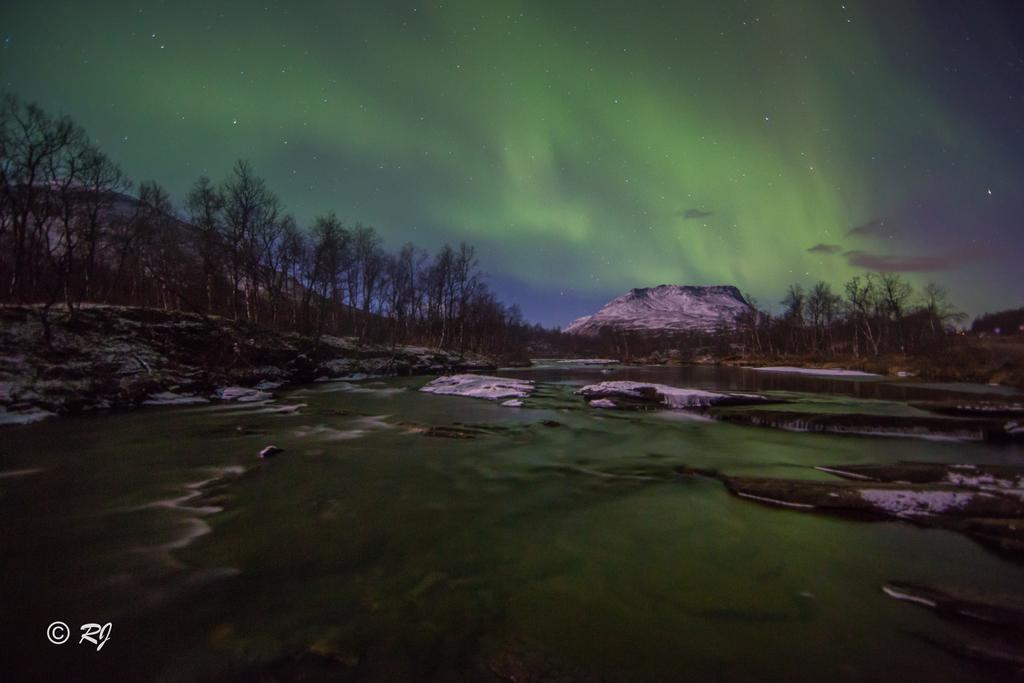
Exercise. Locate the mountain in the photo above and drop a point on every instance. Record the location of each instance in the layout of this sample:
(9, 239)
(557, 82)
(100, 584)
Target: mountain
(666, 309)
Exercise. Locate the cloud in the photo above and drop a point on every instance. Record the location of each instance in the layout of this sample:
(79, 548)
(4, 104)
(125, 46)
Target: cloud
(695, 213)
(825, 249)
(874, 227)
(889, 263)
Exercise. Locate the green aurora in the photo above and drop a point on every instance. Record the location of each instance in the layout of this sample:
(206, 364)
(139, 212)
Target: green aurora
(567, 141)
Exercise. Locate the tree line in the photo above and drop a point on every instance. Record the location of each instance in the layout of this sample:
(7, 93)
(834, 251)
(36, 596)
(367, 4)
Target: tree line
(1002, 323)
(872, 315)
(72, 231)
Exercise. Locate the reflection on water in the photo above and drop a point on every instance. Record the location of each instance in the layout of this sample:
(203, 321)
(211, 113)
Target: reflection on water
(553, 541)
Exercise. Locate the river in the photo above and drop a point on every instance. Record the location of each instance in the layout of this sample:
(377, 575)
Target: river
(547, 543)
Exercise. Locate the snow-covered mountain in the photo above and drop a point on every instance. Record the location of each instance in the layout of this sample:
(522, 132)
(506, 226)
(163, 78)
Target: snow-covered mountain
(666, 309)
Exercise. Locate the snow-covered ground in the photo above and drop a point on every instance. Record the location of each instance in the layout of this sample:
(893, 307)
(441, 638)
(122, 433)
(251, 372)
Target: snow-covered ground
(824, 372)
(673, 397)
(481, 386)
(667, 308)
(967, 477)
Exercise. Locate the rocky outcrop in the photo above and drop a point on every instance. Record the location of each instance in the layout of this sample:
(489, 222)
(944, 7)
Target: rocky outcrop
(972, 408)
(110, 356)
(993, 625)
(985, 502)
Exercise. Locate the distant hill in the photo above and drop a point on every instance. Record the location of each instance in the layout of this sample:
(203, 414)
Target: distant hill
(666, 309)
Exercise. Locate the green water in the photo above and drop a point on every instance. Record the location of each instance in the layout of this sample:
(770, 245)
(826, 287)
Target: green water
(402, 556)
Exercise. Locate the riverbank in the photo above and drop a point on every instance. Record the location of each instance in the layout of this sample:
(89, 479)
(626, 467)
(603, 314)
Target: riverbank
(975, 360)
(122, 357)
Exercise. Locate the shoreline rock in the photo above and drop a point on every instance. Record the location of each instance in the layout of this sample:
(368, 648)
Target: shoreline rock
(987, 504)
(626, 394)
(507, 390)
(991, 624)
(972, 409)
(966, 429)
(124, 357)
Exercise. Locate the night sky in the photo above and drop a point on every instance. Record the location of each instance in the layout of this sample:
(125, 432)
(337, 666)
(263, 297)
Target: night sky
(584, 147)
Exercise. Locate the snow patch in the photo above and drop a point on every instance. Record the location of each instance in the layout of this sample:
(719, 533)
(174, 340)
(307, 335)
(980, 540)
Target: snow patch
(905, 503)
(512, 403)
(602, 403)
(480, 386)
(988, 483)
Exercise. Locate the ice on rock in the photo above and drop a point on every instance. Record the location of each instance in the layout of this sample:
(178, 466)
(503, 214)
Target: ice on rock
(241, 394)
(480, 386)
(673, 397)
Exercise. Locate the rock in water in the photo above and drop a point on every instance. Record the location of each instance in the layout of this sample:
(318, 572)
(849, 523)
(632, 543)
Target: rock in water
(667, 309)
(270, 451)
(481, 386)
(924, 426)
(645, 393)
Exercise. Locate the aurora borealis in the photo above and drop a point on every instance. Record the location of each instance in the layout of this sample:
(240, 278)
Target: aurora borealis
(585, 148)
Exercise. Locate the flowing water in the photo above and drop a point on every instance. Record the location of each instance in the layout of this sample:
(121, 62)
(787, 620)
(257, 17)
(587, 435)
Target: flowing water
(555, 541)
